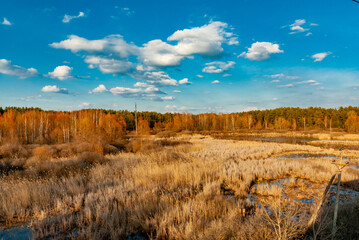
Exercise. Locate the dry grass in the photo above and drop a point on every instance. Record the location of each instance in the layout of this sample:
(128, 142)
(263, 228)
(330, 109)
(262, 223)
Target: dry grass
(169, 190)
(311, 134)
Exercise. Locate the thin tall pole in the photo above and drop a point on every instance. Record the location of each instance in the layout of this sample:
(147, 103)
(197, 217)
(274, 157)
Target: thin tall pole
(315, 213)
(340, 167)
(336, 208)
(136, 117)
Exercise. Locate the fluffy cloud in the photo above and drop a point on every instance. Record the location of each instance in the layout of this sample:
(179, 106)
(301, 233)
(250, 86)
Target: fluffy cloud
(301, 26)
(112, 45)
(68, 18)
(218, 67)
(6, 22)
(109, 65)
(260, 51)
(54, 89)
(141, 84)
(123, 90)
(215, 82)
(296, 27)
(318, 57)
(153, 89)
(206, 40)
(61, 72)
(113, 55)
(7, 68)
(199, 76)
(160, 54)
(100, 89)
(159, 79)
(184, 81)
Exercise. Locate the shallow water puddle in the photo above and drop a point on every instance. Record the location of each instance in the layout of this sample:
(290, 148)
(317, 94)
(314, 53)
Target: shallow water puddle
(16, 232)
(307, 156)
(268, 139)
(345, 194)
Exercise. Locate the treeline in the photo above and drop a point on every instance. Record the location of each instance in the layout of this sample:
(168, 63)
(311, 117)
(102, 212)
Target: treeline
(33, 125)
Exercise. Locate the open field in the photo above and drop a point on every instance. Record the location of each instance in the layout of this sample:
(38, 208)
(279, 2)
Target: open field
(187, 187)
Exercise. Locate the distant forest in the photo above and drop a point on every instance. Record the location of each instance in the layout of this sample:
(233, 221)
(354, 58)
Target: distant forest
(33, 125)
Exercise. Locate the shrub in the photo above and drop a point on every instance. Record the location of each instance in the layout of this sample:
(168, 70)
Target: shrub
(92, 158)
(40, 155)
(13, 150)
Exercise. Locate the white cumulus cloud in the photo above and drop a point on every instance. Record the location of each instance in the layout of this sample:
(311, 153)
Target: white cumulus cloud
(112, 45)
(159, 79)
(297, 26)
(100, 89)
(109, 65)
(54, 89)
(147, 63)
(184, 81)
(123, 90)
(206, 40)
(161, 54)
(260, 51)
(301, 26)
(215, 82)
(218, 66)
(141, 84)
(61, 72)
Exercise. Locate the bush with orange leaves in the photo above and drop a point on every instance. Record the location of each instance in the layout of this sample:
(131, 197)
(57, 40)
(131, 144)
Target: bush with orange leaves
(40, 154)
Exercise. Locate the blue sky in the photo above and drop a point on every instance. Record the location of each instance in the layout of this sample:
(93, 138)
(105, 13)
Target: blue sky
(196, 56)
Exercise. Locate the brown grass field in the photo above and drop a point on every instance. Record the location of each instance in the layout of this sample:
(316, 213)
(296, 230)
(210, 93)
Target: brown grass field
(182, 187)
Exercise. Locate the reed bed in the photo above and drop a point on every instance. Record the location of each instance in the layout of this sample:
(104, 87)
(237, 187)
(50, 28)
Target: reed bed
(196, 189)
